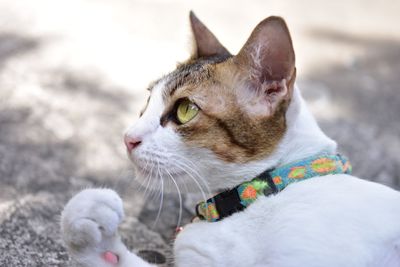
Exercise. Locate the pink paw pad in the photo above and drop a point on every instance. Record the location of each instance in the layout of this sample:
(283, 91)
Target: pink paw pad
(110, 257)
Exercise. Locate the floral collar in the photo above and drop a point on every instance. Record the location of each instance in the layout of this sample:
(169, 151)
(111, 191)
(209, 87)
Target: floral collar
(270, 182)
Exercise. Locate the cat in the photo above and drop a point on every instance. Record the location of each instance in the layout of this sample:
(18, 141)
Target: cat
(231, 118)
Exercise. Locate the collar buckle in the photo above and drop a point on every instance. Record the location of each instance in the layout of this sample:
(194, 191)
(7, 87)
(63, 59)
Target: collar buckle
(227, 203)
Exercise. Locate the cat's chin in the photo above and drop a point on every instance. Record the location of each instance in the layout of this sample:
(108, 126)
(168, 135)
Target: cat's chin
(143, 172)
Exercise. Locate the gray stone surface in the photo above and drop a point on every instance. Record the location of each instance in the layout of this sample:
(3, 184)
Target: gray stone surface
(72, 77)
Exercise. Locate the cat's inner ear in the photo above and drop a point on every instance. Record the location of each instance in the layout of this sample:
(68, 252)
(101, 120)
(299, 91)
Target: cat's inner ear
(267, 59)
(205, 42)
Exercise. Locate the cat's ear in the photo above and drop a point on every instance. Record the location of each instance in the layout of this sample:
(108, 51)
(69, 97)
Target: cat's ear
(205, 42)
(268, 60)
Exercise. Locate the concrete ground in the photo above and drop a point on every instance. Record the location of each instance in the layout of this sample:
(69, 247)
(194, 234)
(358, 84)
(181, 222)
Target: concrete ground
(73, 75)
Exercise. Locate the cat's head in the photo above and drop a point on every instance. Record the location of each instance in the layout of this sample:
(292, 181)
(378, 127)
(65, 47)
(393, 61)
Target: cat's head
(217, 113)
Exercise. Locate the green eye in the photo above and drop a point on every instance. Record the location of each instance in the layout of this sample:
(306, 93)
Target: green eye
(186, 111)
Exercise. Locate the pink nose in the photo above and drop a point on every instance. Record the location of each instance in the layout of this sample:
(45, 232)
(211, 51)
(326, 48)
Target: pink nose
(131, 142)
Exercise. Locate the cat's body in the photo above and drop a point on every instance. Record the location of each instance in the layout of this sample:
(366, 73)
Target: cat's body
(314, 223)
(333, 220)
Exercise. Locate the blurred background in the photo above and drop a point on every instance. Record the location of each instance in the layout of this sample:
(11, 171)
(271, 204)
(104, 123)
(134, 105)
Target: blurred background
(73, 76)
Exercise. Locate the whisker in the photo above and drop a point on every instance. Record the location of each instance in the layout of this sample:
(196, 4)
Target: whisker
(161, 197)
(141, 186)
(195, 180)
(193, 168)
(180, 198)
(194, 171)
(148, 183)
(154, 191)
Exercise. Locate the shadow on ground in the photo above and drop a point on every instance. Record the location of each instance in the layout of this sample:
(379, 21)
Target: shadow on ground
(12, 44)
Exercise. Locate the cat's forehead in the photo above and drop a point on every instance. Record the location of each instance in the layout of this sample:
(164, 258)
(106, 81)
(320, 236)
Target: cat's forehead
(190, 72)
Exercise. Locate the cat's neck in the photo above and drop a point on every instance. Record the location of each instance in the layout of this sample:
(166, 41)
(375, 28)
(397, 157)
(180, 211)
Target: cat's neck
(303, 138)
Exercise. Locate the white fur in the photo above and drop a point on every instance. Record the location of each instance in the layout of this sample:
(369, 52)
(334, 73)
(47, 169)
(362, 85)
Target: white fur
(89, 223)
(150, 119)
(336, 220)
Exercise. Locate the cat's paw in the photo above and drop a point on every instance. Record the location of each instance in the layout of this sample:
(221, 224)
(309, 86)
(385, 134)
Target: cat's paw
(90, 220)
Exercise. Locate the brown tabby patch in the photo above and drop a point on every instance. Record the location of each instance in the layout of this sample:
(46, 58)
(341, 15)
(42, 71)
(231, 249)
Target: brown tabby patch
(222, 126)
